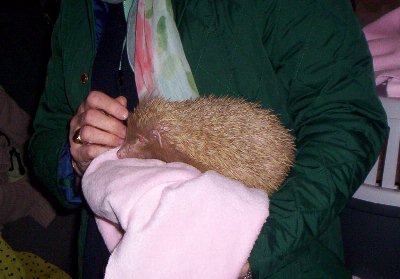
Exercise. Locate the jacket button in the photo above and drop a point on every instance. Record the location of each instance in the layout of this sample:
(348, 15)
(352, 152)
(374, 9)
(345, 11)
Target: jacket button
(84, 78)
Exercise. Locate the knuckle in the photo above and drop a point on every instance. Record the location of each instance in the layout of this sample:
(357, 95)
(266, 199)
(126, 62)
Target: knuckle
(73, 124)
(90, 116)
(93, 97)
(81, 107)
(86, 133)
(81, 118)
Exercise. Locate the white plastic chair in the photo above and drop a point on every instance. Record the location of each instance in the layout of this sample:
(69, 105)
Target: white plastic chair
(385, 192)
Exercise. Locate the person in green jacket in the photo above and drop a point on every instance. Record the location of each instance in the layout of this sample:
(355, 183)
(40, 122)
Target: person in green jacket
(308, 61)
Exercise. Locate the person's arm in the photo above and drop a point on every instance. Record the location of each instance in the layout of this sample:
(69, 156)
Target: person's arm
(62, 113)
(51, 122)
(323, 62)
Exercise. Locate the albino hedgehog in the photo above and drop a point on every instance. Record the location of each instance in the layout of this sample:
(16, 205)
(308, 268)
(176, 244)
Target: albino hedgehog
(234, 137)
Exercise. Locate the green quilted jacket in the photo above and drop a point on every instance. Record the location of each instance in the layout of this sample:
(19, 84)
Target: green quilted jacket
(305, 59)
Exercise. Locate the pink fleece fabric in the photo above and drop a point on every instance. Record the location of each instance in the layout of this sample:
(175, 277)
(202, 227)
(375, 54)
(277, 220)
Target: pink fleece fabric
(383, 36)
(169, 220)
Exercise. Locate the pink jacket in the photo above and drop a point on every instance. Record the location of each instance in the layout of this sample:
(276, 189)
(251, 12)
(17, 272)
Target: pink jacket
(168, 220)
(383, 36)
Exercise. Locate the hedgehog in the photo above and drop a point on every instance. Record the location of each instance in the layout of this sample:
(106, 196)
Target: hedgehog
(234, 137)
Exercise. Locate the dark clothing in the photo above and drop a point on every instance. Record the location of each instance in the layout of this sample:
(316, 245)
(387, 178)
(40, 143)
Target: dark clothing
(113, 75)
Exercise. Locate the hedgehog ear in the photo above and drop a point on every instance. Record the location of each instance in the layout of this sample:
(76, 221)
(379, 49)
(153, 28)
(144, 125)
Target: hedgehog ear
(156, 135)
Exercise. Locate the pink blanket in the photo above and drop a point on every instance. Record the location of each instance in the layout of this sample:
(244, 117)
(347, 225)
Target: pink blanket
(383, 36)
(168, 220)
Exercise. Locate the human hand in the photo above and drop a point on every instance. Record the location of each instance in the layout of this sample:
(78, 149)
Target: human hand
(98, 123)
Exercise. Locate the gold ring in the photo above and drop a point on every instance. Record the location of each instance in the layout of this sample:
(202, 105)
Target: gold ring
(77, 137)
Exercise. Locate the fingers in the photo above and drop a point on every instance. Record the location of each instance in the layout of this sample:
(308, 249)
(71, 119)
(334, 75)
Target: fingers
(99, 124)
(103, 113)
(113, 107)
(93, 135)
(99, 120)
(122, 100)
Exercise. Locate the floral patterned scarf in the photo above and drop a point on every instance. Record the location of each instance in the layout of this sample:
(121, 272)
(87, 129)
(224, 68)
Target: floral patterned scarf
(155, 52)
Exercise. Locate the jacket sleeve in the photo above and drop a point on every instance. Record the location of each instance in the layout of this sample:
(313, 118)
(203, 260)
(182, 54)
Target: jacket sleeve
(51, 120)
(323, 63)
